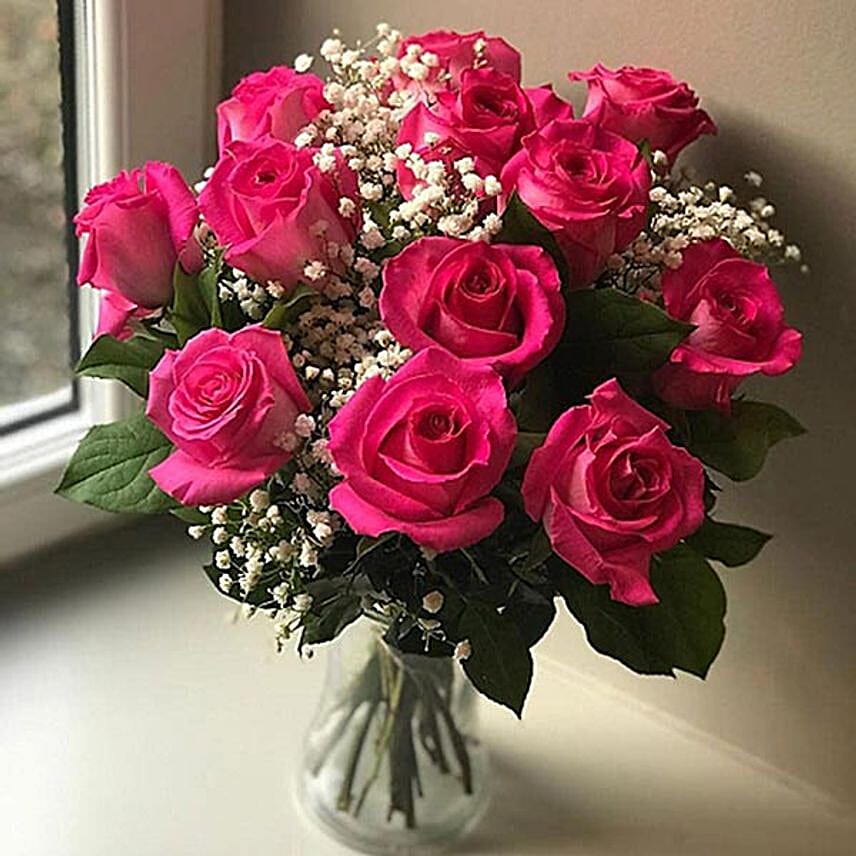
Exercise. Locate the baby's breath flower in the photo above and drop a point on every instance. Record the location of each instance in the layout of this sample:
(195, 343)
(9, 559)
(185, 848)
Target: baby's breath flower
(303, 62)
(433, 602)
(463, 650)
(302, 602)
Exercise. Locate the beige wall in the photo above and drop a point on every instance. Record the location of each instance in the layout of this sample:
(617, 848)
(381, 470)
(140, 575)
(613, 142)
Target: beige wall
(777, 76)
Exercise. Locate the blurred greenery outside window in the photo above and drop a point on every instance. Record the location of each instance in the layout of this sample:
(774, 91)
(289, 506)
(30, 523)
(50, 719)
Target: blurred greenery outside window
(37, 300)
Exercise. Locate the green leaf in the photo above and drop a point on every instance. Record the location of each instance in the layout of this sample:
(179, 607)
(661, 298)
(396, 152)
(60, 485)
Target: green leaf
(645, 151)
(326, 621)
(129, 361)
(527, 442)
(728, 543)
(532, 612)
(366, 547)
(500, 665)
(110, 468)
(285, 312)
(683, 631)
(609, 333)
(208, 289)
(520, 226)
(367, 543)
(540, 549)
(737, 445)
(189, 312)
(545, 395)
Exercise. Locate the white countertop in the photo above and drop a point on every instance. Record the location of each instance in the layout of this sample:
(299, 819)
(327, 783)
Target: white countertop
(137, 720)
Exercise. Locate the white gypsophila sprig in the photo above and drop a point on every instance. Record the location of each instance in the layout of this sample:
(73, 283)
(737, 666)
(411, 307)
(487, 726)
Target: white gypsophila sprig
(265, 551)
(276, 534)
(267, 546)
(685, 213)
(362, 124)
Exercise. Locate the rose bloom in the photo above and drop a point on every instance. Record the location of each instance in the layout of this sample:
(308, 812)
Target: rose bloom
(489, 304)
(644, 104)
(421, 452)
(138, 225)
(485, 119)
(278, 102)
(115, 314)
(227, 401)
(611, 490)
(588, 186)
(739, 327)
(457, 52)
(274, 210)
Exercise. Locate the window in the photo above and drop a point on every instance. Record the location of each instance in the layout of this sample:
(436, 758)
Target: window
(37, 187)
(113, 84)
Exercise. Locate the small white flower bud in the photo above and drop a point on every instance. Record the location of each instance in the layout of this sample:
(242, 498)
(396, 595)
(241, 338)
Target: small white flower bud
(302, 602)
(302, 62)
(433, 602)
(463, 650)
(304, 425)
(259, 499)
(492, 186)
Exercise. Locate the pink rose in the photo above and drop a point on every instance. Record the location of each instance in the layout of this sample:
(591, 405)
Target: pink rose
(739, 327)
(588, 186)
(455, 53)
(611, 491)
(488, 304)
(278, 102)
(274, 210)
(227, 401)
(421, 452)
(139, 225)
(485, 119)
(115, 314)
(644, 104)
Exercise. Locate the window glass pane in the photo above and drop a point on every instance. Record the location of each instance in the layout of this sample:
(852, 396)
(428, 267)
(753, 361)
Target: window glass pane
(35, 346)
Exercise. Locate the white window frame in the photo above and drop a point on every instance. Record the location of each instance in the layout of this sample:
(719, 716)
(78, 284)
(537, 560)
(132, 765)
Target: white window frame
(147, 78)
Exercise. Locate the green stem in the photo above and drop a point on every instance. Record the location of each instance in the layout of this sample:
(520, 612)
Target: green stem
(392, 680)
(458, 743)
(346, 792)
(403, 768)
(429, 734)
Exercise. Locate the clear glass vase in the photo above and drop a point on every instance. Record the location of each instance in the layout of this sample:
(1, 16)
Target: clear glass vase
(392, 762)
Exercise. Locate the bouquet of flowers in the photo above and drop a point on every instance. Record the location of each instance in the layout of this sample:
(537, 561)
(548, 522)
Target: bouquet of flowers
(425, 348)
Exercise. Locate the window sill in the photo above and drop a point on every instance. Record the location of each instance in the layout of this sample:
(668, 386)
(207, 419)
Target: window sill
(137, 720)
